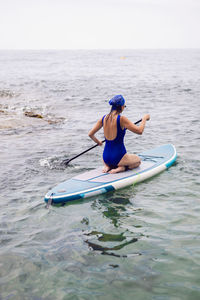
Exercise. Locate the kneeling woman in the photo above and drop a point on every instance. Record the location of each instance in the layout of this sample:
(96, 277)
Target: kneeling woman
(115, 157)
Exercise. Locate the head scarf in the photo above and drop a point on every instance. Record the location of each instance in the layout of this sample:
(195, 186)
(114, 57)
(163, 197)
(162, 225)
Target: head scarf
(117, 101)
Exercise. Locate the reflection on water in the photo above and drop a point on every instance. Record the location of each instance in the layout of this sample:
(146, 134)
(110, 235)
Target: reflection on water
(113, 208)
(104, 237)
(105, 249)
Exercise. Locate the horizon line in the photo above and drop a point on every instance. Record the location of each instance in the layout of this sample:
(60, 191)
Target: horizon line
(96, 49)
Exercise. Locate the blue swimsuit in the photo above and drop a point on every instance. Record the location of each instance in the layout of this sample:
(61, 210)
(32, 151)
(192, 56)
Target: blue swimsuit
(114, 149)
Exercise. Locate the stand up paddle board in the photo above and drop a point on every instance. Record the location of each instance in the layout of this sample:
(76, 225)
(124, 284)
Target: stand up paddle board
(96, 182)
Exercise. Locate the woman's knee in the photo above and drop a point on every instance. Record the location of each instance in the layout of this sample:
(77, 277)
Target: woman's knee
(139, 160)
(135, 159)
(134, 165)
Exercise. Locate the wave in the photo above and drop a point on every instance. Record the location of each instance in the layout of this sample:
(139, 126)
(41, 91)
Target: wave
(6, 93)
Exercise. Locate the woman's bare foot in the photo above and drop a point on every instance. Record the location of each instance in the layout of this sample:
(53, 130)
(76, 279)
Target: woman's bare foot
(117, 170)
(106, 169)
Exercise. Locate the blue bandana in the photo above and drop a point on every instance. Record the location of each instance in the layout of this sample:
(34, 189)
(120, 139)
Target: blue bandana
(117, 101)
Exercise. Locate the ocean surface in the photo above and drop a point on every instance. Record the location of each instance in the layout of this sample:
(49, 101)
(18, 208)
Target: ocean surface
(142, 242)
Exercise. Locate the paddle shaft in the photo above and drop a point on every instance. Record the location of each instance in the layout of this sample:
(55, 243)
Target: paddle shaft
(66, 161)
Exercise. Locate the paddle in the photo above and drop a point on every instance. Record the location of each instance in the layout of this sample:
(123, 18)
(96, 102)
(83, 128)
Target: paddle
(66, 161)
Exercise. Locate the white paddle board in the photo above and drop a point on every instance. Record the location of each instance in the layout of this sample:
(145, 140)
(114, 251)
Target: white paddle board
(96, 182)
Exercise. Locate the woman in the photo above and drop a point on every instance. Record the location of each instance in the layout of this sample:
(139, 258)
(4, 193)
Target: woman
(115, 157)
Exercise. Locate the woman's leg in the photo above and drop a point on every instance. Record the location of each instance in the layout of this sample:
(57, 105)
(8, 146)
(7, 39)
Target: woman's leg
(106, 168)
(117, 170)
(130, 160)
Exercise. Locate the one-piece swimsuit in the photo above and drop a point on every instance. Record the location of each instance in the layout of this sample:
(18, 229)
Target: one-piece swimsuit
(114, 150)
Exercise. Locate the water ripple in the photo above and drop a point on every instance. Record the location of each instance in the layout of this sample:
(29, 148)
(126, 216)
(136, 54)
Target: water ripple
(141, 241)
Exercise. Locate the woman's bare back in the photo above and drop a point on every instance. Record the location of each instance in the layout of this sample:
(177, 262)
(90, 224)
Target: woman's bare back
(110, 127)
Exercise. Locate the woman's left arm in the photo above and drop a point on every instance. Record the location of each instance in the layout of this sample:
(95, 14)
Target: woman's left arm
(92, 132)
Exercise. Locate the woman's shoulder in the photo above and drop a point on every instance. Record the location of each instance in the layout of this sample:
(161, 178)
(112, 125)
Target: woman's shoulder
(124, 119)
(102, 118)
(125, 122)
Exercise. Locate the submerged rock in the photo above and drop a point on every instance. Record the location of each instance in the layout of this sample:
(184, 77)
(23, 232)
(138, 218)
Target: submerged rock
(33, 115)
(55, 121)
(47, 118)
(6, 94)
(10, 119)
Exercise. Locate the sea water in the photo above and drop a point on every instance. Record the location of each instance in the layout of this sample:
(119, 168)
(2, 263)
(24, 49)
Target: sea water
(142, 242)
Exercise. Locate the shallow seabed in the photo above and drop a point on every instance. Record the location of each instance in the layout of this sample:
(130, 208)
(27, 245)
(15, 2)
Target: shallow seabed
(141, 242)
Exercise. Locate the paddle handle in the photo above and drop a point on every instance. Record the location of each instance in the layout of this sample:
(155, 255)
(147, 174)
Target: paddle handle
(66, 161)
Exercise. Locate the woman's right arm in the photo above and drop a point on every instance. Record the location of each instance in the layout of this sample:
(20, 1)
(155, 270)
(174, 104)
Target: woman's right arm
(92, 132)
(125, 122)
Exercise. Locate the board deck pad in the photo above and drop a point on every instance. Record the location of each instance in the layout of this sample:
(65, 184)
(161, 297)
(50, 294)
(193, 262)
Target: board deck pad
(96, 182)
(98, 176)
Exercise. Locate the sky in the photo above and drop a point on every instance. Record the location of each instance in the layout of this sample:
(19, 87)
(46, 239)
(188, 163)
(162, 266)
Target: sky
(99, 24)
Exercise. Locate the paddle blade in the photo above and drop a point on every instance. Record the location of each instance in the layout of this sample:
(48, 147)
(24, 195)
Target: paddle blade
(66, 162)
